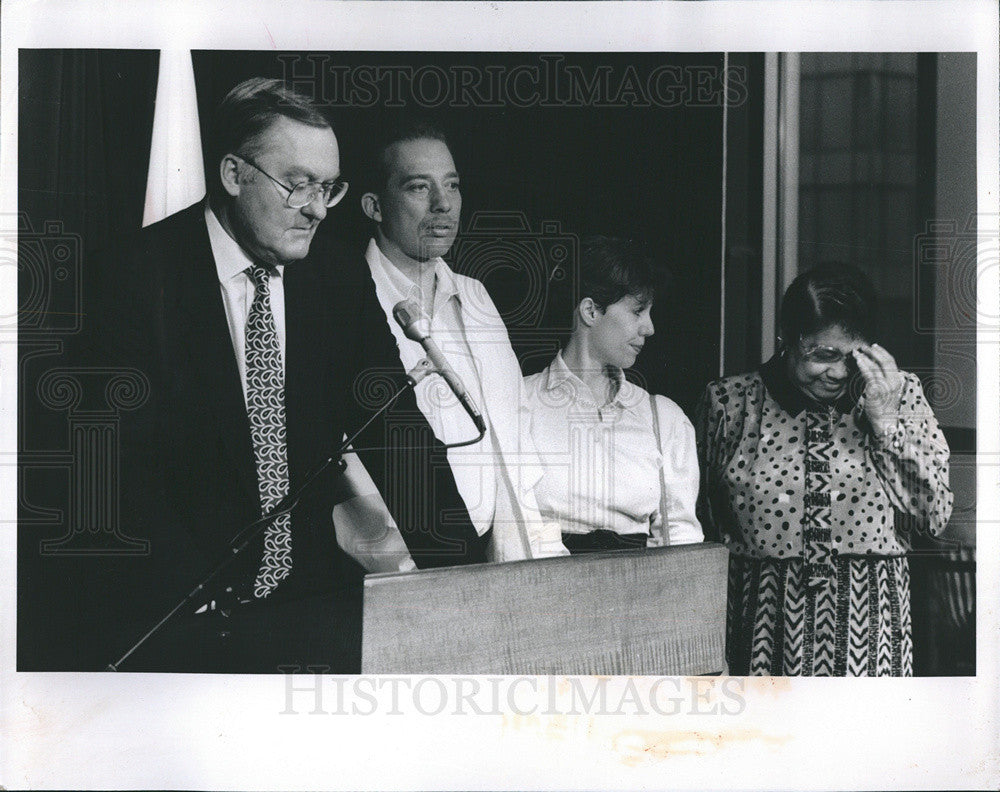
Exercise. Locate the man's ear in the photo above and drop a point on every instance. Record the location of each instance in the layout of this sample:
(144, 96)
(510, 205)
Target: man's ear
(370, 206)
(229, 173)
(588, 311)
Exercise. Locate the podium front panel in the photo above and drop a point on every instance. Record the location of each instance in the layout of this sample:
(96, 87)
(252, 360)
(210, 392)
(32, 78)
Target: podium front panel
(659, 611)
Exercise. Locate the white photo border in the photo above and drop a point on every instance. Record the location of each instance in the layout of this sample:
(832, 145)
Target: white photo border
(229, 732)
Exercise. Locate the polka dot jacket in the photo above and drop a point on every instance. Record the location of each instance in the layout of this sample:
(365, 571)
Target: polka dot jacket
(752, 432)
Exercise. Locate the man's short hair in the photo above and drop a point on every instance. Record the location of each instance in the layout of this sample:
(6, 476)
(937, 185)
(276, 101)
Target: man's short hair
(613, 267)
(408, 128)
(248, 110)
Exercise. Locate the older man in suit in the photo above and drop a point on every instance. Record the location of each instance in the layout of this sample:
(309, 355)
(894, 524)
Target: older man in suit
(238, 334)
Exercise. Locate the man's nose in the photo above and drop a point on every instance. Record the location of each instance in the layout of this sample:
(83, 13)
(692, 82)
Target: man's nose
(440, 201)
(316, 208)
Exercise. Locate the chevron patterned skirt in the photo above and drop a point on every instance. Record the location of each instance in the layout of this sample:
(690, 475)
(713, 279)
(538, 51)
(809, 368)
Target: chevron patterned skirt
(856, 624)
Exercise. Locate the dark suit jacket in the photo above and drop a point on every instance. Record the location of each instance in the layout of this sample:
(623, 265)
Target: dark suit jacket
(188, 473)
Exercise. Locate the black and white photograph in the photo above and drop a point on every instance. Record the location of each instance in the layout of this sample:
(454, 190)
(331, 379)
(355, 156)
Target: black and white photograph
(434, 382)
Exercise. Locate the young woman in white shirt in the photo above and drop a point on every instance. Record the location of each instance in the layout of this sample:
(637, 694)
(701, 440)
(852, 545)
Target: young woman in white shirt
(621, 471)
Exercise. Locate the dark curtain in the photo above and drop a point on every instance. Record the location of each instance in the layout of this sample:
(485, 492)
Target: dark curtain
(85, 123)
(84, 128)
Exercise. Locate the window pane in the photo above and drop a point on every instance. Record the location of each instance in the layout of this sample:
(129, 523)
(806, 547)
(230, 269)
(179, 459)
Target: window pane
(858, 187)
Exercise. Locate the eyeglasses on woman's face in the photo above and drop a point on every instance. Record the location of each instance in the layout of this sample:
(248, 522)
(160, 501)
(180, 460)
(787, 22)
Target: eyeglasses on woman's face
(826, 355)
(822, 363)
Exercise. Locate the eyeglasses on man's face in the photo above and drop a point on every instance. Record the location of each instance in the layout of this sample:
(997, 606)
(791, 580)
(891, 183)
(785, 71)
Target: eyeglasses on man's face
(304, 193)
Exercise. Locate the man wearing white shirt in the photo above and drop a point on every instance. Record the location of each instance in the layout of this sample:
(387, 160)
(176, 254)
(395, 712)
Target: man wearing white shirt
(452, 505)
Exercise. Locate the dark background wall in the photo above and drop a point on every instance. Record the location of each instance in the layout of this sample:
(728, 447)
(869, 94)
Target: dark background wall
(85, 121)
(581, 143)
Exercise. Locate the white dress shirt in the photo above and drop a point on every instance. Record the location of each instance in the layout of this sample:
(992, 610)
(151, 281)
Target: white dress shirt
(473, 467)
(231, 263)
(602, 463)
(495, 477)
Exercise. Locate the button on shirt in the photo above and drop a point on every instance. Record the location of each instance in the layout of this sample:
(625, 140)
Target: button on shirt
(602, 463)
(473, 467)
(231, 263)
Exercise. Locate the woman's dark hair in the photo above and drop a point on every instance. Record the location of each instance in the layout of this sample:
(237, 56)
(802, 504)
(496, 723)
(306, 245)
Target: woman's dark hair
(613, 267)
(246, 112)
(829, 295)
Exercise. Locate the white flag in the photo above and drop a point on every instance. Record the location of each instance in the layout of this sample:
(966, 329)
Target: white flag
(176, 172)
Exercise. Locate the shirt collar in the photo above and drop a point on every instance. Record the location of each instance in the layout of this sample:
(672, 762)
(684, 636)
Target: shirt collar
(627, 396)
(398, 286)
(790, 397)
(230, 259)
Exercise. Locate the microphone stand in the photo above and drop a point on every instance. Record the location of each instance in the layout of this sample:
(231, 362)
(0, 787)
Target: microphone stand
(247, 534)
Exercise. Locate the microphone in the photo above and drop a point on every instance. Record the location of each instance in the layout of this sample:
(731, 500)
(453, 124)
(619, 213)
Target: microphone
(415, 326)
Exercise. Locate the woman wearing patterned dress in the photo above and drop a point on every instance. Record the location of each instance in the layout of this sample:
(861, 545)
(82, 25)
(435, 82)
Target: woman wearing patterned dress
(621, 470)
(815, 469)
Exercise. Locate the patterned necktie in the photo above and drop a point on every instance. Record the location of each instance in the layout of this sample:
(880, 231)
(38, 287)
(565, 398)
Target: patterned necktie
(266, 411)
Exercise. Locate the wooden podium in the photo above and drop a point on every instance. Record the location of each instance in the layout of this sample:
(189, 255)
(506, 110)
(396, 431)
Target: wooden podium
(659, 611)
